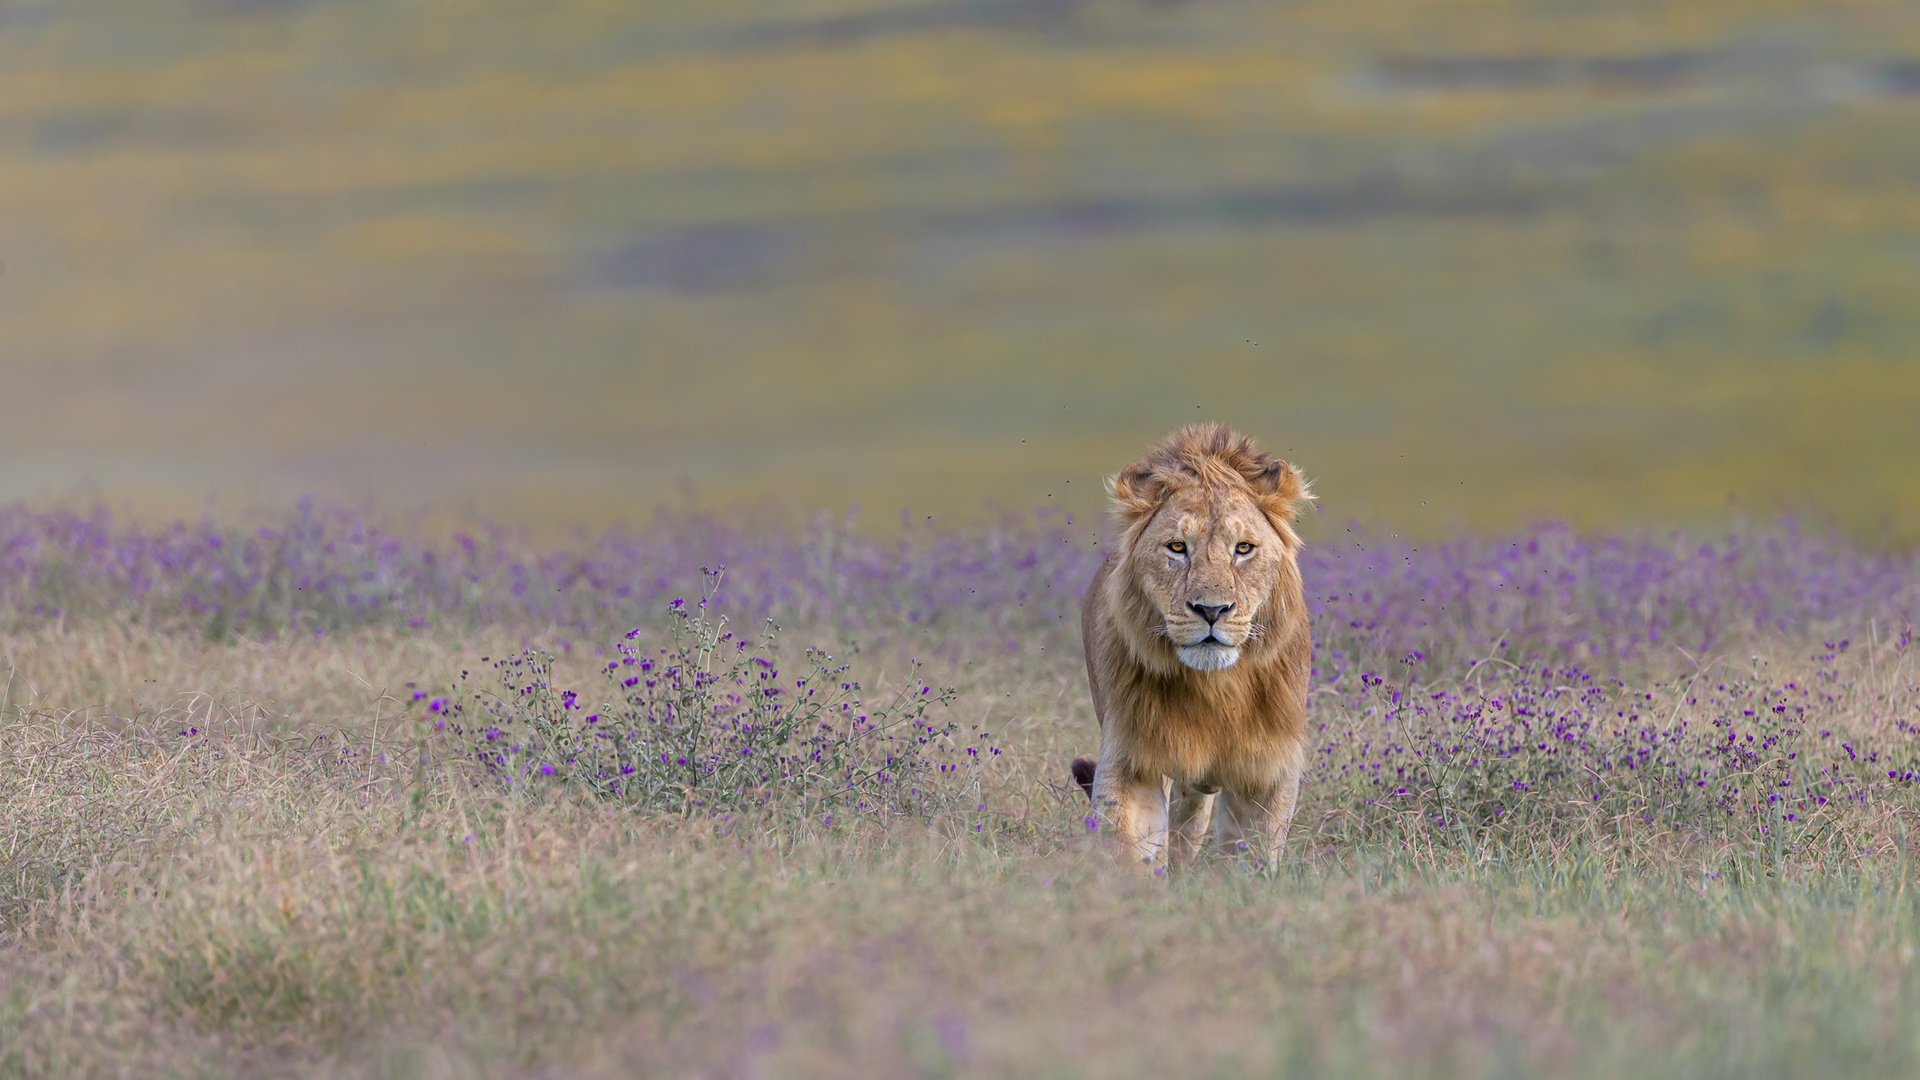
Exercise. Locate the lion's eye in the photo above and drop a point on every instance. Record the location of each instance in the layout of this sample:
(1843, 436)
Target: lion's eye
(1243, 548)
(1178, 547)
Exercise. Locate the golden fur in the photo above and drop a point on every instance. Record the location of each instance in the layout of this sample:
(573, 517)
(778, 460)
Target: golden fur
(1198, 649)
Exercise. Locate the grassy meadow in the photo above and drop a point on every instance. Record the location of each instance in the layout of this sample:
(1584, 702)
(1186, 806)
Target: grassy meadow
(288, 790)
(1475, 263)
(1581, 806)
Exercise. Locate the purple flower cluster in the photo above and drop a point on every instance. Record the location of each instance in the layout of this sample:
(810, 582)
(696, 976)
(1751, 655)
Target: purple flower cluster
(1603, 601)
(707, 724)
(321, 570)
(1720, 750)
(1015, 586)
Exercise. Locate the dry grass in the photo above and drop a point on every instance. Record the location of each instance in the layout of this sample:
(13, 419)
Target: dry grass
(284, 892)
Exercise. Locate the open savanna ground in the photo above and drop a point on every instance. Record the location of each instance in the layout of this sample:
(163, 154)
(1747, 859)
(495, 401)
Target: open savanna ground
(1468, 261)
(1581, 806)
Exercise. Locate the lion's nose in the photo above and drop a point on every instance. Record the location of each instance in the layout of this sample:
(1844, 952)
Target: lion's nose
(1211, 612)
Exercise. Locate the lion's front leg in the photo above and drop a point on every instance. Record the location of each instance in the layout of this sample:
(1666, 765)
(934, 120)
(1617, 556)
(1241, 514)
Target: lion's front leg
(1257, 821)
(1189, 816)
(1135, 808)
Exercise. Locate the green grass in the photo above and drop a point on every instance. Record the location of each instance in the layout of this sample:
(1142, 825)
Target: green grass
(375, 249)
(268, 896)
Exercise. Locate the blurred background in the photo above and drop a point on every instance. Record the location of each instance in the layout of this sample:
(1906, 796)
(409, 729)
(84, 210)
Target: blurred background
(1469, 263)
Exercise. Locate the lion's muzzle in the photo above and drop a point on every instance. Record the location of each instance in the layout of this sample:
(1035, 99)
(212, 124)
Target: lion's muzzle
(1212, 641)
(1209, 655)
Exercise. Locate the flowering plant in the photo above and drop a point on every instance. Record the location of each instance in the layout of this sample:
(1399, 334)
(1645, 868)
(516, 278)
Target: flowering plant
(708, 724)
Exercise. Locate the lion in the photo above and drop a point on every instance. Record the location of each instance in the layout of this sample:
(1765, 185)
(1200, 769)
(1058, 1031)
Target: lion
(1198, 650)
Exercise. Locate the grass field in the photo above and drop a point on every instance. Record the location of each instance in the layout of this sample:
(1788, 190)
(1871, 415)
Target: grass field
(1610, 262)
(1582, 806)
(377, 793)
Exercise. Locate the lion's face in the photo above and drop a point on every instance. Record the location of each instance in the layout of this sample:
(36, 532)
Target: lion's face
(1208, 560)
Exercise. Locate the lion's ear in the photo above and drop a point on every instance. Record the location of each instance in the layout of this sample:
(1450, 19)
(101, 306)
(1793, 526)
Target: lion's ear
(1135, 491)
(1282, 491)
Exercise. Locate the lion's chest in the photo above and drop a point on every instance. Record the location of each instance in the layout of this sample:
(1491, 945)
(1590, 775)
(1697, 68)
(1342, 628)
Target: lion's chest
(1196, 731)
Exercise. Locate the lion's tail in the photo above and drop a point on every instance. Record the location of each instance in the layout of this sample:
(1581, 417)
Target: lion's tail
(1083, 775)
